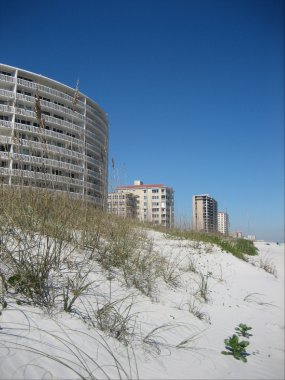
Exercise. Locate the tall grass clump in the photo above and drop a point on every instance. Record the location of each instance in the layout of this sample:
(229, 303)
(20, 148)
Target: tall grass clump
(36, 235)
(51, 242)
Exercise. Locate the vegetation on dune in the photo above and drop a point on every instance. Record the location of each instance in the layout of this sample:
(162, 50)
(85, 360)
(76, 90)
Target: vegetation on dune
(52, 248)
(238, 247)
(40, 232)
(236, 347)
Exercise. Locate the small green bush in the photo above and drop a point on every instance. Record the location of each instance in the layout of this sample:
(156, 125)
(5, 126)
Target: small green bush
(235, 347)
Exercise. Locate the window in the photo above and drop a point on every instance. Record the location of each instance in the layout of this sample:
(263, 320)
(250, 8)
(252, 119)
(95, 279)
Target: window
(43, 98)
(154, 190)
(5, 73)
(24, 78)
(59, 104)
(58, 117)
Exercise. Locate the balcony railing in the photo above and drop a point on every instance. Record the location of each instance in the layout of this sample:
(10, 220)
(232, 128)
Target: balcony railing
(95, 175)
(98, 126)
(5, 108)
(53, 120)
(50, 105)
(5, 140)
(7, 93)
(73, 127)
(96, 113)
(49, 90)
(6, 124)
(65, 110)
(93, 161)
(46, 132)
(45, 176)
(6, 78)
(96, 137)
(47, 162)
(47, 147)
(5, 155)
(5, 171)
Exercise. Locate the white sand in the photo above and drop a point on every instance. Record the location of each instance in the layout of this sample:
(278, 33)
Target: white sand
(239, 292)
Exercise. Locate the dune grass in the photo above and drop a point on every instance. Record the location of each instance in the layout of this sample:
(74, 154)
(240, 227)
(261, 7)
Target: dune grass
(238, 247)
(51, 246)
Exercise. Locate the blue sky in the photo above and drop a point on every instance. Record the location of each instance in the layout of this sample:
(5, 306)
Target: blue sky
(194, 92)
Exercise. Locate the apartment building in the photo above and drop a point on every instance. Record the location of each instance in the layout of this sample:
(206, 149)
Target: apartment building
(122, 204)
(51, 136)
(155, 202)
(223, 223)
(204, 210)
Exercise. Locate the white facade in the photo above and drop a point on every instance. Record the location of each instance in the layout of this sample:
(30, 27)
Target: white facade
(122, 204)
(223, 223)
(155, 202)
(51, 136)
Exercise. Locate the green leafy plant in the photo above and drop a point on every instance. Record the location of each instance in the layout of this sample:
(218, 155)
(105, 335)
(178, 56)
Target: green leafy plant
(235, 347)
(242, 330)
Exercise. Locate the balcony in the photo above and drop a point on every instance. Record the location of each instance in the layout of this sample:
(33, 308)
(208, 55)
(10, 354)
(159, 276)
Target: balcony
(51, 105)
(5, 171)
(6, 124)
(8, 109)
(95, 137)
(96, 113)
(45, 132)
(47, 148)
(6, 93)
(49, 90)
(100, 127)
(5, 155)
(44, 176)
(94, 161)
(6, 78)
(64, 110)
(5, 140)
(46, 161)
(50, 119)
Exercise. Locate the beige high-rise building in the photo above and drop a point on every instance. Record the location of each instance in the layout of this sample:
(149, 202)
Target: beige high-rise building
(204, 213)
(155, 202)
(122, 204)
(223, 223)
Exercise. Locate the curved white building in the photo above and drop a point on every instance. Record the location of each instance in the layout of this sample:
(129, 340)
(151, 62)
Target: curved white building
(51, 136)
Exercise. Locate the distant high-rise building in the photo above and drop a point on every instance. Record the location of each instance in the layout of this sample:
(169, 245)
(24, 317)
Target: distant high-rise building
(122, 204)
(155, 202)
(204, 213)
(236, 234)
(223, 223)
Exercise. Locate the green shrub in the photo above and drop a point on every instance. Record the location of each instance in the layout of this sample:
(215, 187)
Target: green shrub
(235, 347)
